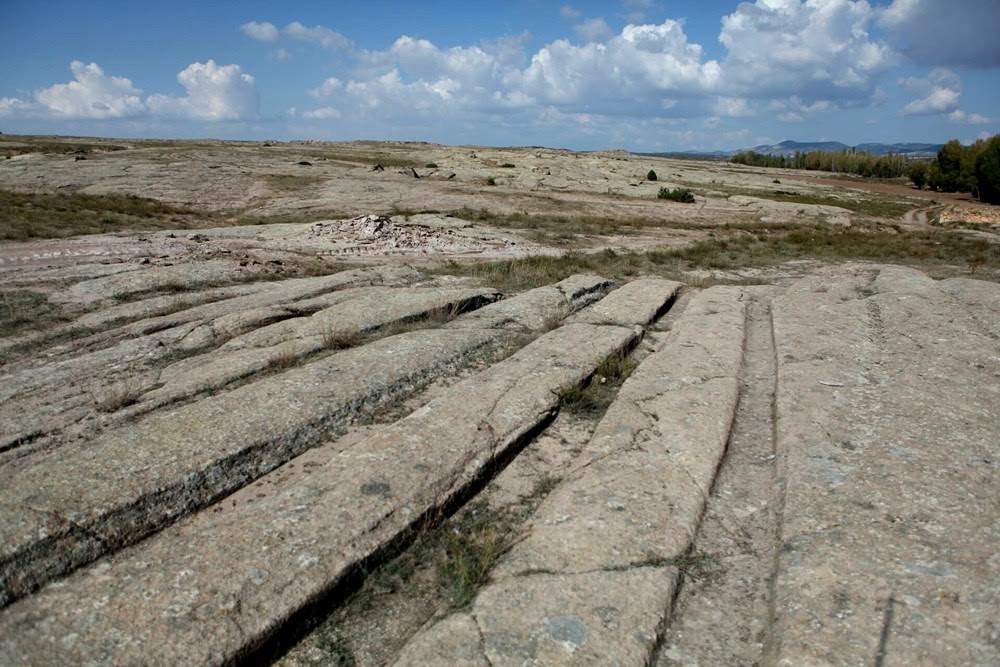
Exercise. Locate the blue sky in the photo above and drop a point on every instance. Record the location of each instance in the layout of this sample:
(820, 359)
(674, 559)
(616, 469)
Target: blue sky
(645, 75)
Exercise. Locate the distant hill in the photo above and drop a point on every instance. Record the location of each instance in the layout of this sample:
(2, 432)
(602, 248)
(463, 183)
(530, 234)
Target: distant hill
(789, 148)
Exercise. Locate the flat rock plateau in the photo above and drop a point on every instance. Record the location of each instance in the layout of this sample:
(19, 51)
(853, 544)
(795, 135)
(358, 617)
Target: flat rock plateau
(378, 403)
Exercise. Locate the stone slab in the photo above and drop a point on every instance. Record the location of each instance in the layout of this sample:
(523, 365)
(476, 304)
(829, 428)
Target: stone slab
(599, 618)
(130, 481)
(636, 303)
(541, 308)
(887, 400)
(208, 589)
(600, 543)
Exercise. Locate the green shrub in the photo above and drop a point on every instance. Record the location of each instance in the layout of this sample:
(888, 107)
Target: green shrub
(490, 180)
(651, 175)
(507, 165)
(683, 195)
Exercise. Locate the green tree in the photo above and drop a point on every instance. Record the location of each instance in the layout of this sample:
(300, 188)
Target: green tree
(967, 171)
(918, 173)
(988, 172)
(651, 175)
(949, 161)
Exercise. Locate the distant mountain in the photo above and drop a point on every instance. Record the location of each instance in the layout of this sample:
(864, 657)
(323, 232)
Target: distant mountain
(789, 148)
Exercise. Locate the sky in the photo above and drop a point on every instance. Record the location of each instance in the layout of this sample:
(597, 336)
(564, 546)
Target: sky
(643, 75)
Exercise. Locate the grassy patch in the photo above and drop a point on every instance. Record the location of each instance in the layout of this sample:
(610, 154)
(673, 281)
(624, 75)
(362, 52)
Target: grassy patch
(16, 145)
(694, 564)
(592, 398)
(683, 195)
(741, 246)
(47, 215)
(22, 310)
(119, 396)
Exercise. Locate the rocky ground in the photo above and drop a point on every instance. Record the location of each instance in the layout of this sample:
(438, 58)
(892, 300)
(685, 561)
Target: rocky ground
(330, 437)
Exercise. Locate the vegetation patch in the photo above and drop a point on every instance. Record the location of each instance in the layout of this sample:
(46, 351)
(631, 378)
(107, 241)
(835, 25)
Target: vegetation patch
(683, 195)
(741, 246)
(22, 310)
(48, 215)
(592, 398)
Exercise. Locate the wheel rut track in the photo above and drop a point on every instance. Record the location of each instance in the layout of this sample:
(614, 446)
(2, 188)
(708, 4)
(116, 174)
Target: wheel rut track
(721, 613)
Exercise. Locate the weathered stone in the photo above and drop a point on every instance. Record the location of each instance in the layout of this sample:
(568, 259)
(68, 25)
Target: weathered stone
(224, 580)
(632, 503)
(541, 308)
(447, 644)
(132, 480)
(886, 423)
(638, 302)
(186, 276)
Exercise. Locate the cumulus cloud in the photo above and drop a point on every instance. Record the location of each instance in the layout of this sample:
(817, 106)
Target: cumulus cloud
(818, 49)
(940, 93)
(568, 13)
(633, 73)
(959, 116)
(318, 35)
(322, 113)
(327, 88)
(593, 30)
(214, 92)
(91, 94)
(959, 33)
(262, 32)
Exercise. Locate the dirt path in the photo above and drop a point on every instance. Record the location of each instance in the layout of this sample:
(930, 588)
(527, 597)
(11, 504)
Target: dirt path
(721, 614)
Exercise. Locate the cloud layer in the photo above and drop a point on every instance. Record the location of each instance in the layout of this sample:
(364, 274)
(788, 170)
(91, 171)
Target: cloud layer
(214, 92)
(783, 60)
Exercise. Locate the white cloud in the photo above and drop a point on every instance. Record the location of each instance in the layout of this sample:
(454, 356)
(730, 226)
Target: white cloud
(318, 34)
(959, 116)
(791, 117)
(262, 32)
(733, 107)
(327, 88)
(568, 13)
(322, 113)
(630, 74)
(960, 33)
(818, 50)
(282, 55)
(593, 30)
(940, 93)
(214, 92)
(91, 94)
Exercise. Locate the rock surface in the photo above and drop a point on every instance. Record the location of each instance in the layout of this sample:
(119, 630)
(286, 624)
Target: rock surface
(840, 429)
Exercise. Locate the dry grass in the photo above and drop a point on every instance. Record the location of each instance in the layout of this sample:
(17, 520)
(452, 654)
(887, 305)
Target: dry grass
(118, 396)
(284, 358)
(592, 398)
(341, 340)
(47, 215)
(741, 246)
(22, 310)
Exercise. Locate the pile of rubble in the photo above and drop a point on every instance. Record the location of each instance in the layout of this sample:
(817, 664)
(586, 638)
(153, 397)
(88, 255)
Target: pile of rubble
(376, 234)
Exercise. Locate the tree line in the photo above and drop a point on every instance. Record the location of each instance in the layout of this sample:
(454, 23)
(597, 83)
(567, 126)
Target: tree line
(843, 162)
(958, 168)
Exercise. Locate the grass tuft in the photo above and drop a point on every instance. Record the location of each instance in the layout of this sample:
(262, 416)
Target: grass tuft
(593, 397)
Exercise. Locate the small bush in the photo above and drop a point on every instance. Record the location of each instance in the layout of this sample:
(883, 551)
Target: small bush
(507, 165)
(683, 195)
(651, 175)
(490, 180)
(431, 165)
